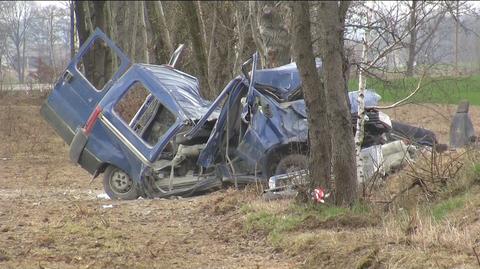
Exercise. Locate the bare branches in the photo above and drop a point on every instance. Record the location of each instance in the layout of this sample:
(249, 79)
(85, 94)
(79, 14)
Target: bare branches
(417, 89)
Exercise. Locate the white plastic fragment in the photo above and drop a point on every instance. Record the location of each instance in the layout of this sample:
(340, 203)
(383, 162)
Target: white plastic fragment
(107, 206)
(103, 196)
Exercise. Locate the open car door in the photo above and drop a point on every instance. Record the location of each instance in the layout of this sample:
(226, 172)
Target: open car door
(80, 88)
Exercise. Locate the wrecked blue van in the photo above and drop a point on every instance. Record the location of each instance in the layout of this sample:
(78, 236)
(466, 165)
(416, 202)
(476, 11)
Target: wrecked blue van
(151, 134)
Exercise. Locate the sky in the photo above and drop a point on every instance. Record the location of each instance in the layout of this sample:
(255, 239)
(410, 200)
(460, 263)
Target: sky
(48, 3)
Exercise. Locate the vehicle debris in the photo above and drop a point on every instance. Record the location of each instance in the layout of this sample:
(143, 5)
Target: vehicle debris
(462, 132)
(103, 196)
(152, 135)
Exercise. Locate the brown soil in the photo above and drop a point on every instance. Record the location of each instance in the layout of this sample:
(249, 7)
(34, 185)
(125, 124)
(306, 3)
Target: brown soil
(435, 117)
(50, 216)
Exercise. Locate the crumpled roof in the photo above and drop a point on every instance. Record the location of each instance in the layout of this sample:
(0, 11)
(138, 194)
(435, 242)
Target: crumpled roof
(285, 77)
(183, 88)
(371, 99)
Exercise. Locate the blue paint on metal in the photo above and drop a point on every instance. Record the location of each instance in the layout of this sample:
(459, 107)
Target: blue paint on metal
(266, 121)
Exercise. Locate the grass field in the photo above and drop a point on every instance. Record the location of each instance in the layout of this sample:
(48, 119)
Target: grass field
(446, 90)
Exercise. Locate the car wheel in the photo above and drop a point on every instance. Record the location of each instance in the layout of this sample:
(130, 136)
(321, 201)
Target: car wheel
(291, 163)
(119, 185)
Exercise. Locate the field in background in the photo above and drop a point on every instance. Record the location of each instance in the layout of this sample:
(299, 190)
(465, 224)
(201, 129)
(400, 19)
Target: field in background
(444, 90)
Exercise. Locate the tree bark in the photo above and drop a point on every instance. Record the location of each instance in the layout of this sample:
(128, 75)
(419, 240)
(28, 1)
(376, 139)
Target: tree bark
(362, 84)
(133, 24)
(98, 64)
(315, 98)
(273, 36)
(72, 28)
(198, 46)
(413, 39)
(343, 147)
(255, 32)
(457, 25)
(160, 44)
(165, 28)
(142, 48)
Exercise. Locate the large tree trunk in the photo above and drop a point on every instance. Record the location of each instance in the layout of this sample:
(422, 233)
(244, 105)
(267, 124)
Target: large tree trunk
(221, 38)
(198, 46)
(142, 46)
(162, 48)
(83, 20)
(343, 147)
(413, 39)
(315, 98)
(98, 65)
(269, 19)
(72, 28)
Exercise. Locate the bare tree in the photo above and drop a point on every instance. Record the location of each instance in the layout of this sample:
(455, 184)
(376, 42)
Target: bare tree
(269, 20)
(99, 65)
(332, 17)
(315, 98)
(190, 12)
(48, 28)
(160, 37)
(16, 17)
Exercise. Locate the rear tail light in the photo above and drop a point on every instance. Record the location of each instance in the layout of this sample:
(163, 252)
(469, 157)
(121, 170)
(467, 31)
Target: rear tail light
(91, 120)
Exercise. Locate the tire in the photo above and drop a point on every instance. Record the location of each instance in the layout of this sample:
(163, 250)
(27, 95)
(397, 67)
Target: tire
(291, 163)
(118, 184)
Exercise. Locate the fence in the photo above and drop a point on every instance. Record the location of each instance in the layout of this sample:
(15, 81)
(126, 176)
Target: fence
(26, 87)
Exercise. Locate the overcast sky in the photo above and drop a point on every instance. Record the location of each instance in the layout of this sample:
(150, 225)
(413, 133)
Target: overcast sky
(55, 3)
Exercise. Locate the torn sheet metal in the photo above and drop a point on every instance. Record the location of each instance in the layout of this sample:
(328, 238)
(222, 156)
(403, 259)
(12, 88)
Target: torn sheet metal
(272, 124)
(182, 88)
(285, 79)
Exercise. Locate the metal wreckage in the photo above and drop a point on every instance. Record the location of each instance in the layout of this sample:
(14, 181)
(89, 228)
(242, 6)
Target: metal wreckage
(151, 134)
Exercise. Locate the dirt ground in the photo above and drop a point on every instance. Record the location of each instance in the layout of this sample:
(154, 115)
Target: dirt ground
(51, 216)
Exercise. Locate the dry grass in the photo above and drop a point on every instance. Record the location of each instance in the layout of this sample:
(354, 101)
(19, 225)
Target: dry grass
(418, 229)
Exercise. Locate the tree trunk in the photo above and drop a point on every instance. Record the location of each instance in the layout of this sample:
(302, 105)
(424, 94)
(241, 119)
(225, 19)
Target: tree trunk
(273, 33)
(315, 98)
(98, 65)
(83, 20)
(203, 30)
(343, 146)
(457, 24)
(413, 39)
(255, 32)
(241, 25)
(142, 48)
(198, 46)
(161, 47)
(72, 28)
(362, 84)
(19, 63)
(165, 28)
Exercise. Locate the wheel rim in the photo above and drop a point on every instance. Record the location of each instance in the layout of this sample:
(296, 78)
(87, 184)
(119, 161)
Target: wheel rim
(292, 167)
(120, 182)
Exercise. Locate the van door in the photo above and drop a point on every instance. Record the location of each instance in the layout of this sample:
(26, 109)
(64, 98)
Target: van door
(81, 87)
(141, 121)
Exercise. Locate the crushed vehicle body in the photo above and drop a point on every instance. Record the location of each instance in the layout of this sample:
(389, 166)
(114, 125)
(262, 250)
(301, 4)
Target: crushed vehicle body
(151, 134)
